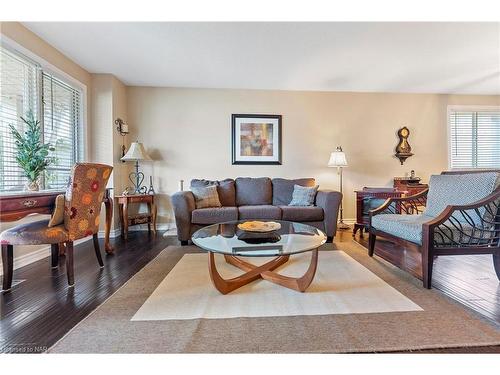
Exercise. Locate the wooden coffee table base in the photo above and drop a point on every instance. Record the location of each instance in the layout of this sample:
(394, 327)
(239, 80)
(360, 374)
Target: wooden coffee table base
(264, 271)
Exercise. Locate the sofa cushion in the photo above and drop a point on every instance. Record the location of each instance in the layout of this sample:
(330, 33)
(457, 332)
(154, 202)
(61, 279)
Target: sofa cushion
(298, 213)
(214, 215)
(460, 189)
(253, 191)
(206, 196)
(283, 189)
(225, 189)
(259, 212)
(303, 195)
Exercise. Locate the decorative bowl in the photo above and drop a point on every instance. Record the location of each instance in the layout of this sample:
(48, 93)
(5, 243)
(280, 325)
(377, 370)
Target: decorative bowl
(259, 226)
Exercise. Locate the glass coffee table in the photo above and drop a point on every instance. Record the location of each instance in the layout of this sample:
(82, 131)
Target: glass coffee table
(233, 243)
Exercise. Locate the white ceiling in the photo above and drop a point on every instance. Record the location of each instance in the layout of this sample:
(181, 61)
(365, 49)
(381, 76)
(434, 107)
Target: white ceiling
(369, 57)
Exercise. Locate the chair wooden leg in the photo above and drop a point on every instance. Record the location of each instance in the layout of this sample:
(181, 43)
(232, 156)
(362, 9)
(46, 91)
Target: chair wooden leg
(69, 263)
(54, 258)
(8, 266)
(371, 244)
(427, 264)
(496, 264)
(98, 250)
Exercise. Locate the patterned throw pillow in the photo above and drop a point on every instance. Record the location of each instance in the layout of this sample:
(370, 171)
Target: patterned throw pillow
(303, 195)
(57, 217)
(206, 196)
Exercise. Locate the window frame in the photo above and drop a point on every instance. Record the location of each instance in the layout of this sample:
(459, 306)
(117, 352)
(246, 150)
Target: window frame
(45, 67)
(464, 108)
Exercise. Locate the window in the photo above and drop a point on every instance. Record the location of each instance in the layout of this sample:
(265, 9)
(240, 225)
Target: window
(25, 86)
(474, 137)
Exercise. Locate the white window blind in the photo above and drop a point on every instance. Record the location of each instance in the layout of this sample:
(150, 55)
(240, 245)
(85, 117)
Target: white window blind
(61, 120)
(18, 94)
(474, 139)
(25, 86)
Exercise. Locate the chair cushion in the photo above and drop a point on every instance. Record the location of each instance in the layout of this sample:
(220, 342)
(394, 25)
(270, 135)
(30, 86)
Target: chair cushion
(303, 196)
(408, 227)
(206, 196)
(35, 233)
(214, 215)
(57, 217)
(459, 189)
(298, 213)
(225, 189)
(283, 189)
(253, 191)
(259, 212)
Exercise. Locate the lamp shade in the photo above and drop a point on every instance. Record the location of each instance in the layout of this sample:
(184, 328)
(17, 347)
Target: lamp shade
(136, 152)
(338, 159)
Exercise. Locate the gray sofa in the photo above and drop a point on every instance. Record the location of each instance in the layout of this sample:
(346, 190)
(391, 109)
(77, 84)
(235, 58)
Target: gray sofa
(255, 198)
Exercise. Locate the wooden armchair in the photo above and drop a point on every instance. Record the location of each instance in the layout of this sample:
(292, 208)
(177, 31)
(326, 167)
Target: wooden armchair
(82, 207)
(459, 214)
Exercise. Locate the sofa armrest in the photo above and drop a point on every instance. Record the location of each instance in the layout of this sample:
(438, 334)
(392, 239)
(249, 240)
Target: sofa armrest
(184, 204)
(329, 201)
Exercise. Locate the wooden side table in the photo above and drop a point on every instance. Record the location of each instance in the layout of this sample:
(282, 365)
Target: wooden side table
(127, 220)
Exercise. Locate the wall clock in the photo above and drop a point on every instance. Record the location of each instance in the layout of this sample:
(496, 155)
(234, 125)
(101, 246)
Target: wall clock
(403, 149)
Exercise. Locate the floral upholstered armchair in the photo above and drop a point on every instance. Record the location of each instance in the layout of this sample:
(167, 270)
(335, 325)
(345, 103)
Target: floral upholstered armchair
(458, 214)
(78, 218)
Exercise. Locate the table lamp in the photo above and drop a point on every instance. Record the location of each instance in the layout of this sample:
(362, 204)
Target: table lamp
(338, 160)
(136, 153)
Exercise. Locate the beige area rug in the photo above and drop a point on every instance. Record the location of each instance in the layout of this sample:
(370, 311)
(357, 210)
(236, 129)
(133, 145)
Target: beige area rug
(439, 323)
(341, 286)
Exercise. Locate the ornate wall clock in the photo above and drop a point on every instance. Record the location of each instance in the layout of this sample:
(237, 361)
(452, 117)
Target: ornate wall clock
(403, 149)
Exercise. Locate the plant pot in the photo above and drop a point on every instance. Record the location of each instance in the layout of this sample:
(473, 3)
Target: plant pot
(32, 186)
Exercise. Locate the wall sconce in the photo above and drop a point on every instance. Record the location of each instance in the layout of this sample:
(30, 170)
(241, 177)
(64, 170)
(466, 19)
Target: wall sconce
(122, 128)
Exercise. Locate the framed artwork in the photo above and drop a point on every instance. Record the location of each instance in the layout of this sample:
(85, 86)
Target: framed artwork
(256, 139)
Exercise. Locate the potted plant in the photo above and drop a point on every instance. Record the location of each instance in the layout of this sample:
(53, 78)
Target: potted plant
(32, 155)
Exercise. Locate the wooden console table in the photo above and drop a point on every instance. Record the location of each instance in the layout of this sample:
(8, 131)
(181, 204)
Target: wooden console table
(17, 205)
(127, 220)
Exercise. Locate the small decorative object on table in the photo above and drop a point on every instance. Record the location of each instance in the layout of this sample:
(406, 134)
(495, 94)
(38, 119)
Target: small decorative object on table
(259, 226)
(31, 154)
(136, 153)
(151, 190)
(403, 149)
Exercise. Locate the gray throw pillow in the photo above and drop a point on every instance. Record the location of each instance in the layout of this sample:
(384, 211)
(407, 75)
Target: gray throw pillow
(303, 195)
(206, 196)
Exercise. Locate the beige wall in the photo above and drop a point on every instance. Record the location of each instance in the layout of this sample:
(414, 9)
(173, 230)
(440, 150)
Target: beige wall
(109, 103)
(188, 131)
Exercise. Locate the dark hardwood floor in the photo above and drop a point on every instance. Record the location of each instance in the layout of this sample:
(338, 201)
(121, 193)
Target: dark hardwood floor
(41, 308)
